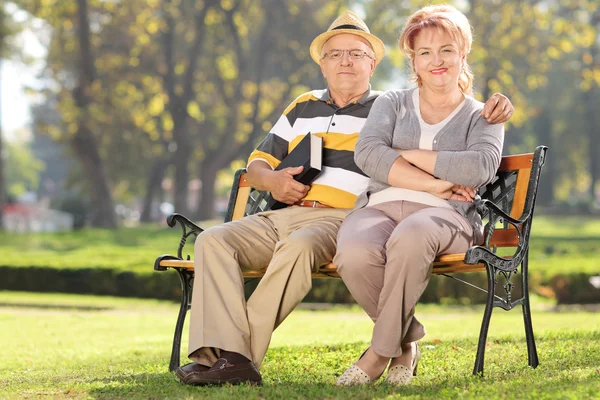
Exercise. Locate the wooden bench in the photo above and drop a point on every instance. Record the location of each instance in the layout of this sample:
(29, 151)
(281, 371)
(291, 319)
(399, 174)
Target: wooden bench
(507, 205)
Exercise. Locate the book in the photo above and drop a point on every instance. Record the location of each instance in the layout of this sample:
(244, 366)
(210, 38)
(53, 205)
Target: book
(308, 153)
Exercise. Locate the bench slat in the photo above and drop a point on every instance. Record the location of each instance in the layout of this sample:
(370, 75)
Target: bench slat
(441, 265)
(516, 162)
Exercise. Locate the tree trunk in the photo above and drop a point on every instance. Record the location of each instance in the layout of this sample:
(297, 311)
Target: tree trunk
(205, 207)
(178, 102)
(593, 141)
(2, 182)
(83, 142)
(543, 131)
(182, 177)
(591, 117)
(103, 210)
(157, 173)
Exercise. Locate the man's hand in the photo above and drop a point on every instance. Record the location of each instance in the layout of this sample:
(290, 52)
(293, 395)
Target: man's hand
(497, 109)
(450, 191)
(285, 188)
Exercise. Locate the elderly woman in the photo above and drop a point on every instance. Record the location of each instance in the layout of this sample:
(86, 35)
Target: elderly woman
(426, 150)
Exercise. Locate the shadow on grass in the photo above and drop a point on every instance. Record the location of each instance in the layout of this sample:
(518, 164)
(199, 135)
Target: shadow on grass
(56, 306)
(153, 386)
(310, 372)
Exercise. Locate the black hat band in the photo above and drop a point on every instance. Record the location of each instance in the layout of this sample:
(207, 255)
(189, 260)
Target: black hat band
(348, 26)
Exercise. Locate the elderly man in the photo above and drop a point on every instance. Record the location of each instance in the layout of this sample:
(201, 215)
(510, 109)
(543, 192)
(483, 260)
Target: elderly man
(229, 337)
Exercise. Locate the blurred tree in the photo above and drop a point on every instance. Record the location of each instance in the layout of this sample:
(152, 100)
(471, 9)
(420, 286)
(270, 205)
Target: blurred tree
(9, 28)
(71, 67)
(22, 169)
(3, 35)
(590, 72)
(56, 157)
(83, 140)
(181, 88)
(176, 83)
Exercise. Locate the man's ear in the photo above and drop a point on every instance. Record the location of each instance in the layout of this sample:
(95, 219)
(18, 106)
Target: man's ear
(322, 69)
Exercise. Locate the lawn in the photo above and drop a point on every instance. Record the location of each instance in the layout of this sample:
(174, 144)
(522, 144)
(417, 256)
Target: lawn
(69, 346)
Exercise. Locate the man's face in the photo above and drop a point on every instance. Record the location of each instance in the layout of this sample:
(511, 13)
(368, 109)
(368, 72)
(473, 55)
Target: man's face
(347, 74)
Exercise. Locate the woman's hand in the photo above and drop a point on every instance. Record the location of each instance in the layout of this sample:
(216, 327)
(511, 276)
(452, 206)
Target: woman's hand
(463, 193)
(450, 191)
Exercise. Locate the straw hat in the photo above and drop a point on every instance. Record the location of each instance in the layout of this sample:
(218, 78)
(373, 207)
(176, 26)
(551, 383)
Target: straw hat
(348, 22)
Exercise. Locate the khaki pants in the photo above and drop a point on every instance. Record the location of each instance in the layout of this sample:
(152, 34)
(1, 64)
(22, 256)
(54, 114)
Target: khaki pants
(293, 242)
(385, 256)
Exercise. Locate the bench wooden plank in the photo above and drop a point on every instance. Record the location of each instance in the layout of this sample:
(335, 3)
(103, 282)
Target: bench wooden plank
(516, 162)
(520, 193)
(447, 263)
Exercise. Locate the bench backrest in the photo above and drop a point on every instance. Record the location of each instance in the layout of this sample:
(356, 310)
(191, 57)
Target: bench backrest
(513, 190)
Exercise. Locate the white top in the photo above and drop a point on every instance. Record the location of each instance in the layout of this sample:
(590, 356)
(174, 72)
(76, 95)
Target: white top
(426, 142)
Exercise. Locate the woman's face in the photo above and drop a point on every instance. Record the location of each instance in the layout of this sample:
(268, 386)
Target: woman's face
(437, 59)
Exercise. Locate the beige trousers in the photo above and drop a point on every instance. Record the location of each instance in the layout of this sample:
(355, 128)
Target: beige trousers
(293, 242)
(385, 255)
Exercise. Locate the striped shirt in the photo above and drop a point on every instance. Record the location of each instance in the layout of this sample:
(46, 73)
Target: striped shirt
(340, 181)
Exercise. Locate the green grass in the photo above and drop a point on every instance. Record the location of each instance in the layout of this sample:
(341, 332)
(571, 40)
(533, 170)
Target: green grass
(69, 346)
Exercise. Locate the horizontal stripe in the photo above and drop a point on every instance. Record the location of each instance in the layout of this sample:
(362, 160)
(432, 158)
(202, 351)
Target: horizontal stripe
(341, 159)
(339, 141)
(259, 159)
(310, 109)
(332, 156)
(331, 196)
(273, 162)
(344, 124)
(303, 98)
(284, 130)
(273, 145)
(339, 178)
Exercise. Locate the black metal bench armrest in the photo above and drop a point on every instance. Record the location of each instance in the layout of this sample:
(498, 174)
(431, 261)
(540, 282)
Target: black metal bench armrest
(486, 253)
(188, 229)
(493, 208)
(157, 266)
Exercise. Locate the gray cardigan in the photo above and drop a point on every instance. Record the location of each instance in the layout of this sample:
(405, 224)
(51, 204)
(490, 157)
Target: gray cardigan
(470, 148)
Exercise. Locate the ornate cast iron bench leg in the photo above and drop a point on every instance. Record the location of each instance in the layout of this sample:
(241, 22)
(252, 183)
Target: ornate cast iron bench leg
(485, 323)
(187, 280)
(532, 356)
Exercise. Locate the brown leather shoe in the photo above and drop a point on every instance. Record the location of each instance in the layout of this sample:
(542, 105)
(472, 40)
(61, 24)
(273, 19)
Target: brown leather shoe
(189, 373)
(223, 372)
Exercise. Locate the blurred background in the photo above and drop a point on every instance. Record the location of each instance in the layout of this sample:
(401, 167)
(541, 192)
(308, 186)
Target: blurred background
(116, 113)
(119, 112)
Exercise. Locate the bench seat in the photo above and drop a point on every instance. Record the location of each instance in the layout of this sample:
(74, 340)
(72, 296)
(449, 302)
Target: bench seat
(448, 263)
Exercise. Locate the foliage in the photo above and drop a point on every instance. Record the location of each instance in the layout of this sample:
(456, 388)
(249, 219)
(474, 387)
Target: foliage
(22, 169)
(184, 82)
(82, 346)
(182, 89)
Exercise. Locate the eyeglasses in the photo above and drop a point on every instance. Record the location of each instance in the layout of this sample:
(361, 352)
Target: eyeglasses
(354, 54)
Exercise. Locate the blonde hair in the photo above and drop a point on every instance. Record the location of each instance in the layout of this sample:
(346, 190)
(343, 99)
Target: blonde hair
(449, 20)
